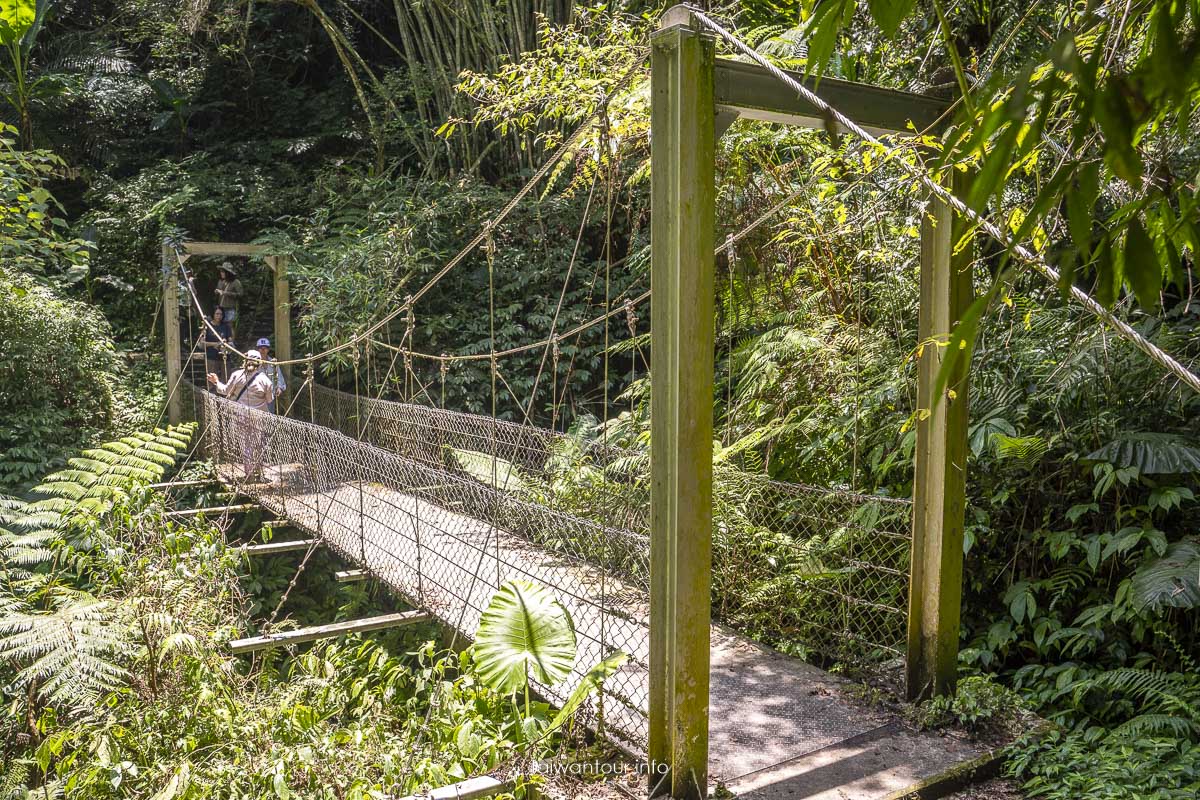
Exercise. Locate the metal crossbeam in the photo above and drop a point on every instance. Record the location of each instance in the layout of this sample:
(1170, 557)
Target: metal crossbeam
(330, 631)
(211, 510)
(275, 548)
(351, 575)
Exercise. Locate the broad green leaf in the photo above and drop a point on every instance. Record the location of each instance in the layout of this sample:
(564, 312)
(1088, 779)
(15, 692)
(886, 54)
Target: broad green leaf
(525, 632)
(890, 13)
(994, 166)
(1173, 580)
(16, 18)
(1141, 265)
(821, 32)
(1080, 202)
(1150, 454)
(1116, 121)
(586, 688)
(1108, 275)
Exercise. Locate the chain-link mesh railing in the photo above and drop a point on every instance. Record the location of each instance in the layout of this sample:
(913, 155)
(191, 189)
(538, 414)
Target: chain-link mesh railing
(446, 541)
(816, 569)
(444, 507)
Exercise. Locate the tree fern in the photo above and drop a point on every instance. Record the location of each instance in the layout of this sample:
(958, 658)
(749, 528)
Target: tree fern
(104, 475)
(69, 656)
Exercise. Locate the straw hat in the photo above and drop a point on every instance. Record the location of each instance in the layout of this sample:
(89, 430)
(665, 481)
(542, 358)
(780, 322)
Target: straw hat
(225, 265)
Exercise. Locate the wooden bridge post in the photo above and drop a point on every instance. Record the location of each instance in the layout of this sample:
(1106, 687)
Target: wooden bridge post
(682, 220)
(283, 320)
(171, 348)
(939, 479)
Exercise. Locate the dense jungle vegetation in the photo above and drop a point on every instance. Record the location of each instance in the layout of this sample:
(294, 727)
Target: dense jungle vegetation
(368, 141)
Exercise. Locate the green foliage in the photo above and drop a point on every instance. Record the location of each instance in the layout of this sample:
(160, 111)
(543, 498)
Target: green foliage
(32, 229)
(525, 634)
(117, 675)
(978, 704)
(1070, 765)
(68, 657)
(56, 378)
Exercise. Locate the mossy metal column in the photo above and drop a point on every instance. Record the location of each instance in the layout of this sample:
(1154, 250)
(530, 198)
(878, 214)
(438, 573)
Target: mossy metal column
(940, 470)
(171, 348)
(283, 319)
(682, 219)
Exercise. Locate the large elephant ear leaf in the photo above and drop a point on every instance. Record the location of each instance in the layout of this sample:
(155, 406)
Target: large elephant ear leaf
(525, 632)
(16, 18)
(1151, 453)
(1173, 580)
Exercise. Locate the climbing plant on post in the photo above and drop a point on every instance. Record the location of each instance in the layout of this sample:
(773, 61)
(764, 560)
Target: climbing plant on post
(682, 219)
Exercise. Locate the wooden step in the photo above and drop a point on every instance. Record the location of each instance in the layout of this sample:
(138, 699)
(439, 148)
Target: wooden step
(211, 511)
(327, 631)
(275, 548)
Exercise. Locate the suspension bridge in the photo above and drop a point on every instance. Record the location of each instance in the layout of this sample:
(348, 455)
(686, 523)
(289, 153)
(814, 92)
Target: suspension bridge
(383, 484)
(442, 507)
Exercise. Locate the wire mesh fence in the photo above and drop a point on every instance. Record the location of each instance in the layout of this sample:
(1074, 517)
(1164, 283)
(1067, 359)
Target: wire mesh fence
(821, 570)
(446, 541)
(443, 507)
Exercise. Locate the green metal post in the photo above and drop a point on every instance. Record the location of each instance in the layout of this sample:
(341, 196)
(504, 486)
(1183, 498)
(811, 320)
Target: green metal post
(939, 480)
(682, 221)
(171, 346)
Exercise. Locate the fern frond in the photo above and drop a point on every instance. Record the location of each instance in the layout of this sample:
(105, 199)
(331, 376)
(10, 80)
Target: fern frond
(144, 456)
(161, 449)
(1027, 449)
(69, 656)
(1146, 725)
(106, 458)
(83, 477)
(65, 489)
(89, 465)
(57, 505)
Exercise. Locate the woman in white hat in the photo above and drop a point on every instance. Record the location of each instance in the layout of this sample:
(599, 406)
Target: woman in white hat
(250, 388)
(229, 291)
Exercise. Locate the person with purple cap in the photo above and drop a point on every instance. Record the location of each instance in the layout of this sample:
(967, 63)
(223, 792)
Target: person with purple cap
(272, 369)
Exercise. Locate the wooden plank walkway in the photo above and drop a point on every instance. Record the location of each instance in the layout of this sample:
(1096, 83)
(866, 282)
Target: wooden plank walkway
(775, 721)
